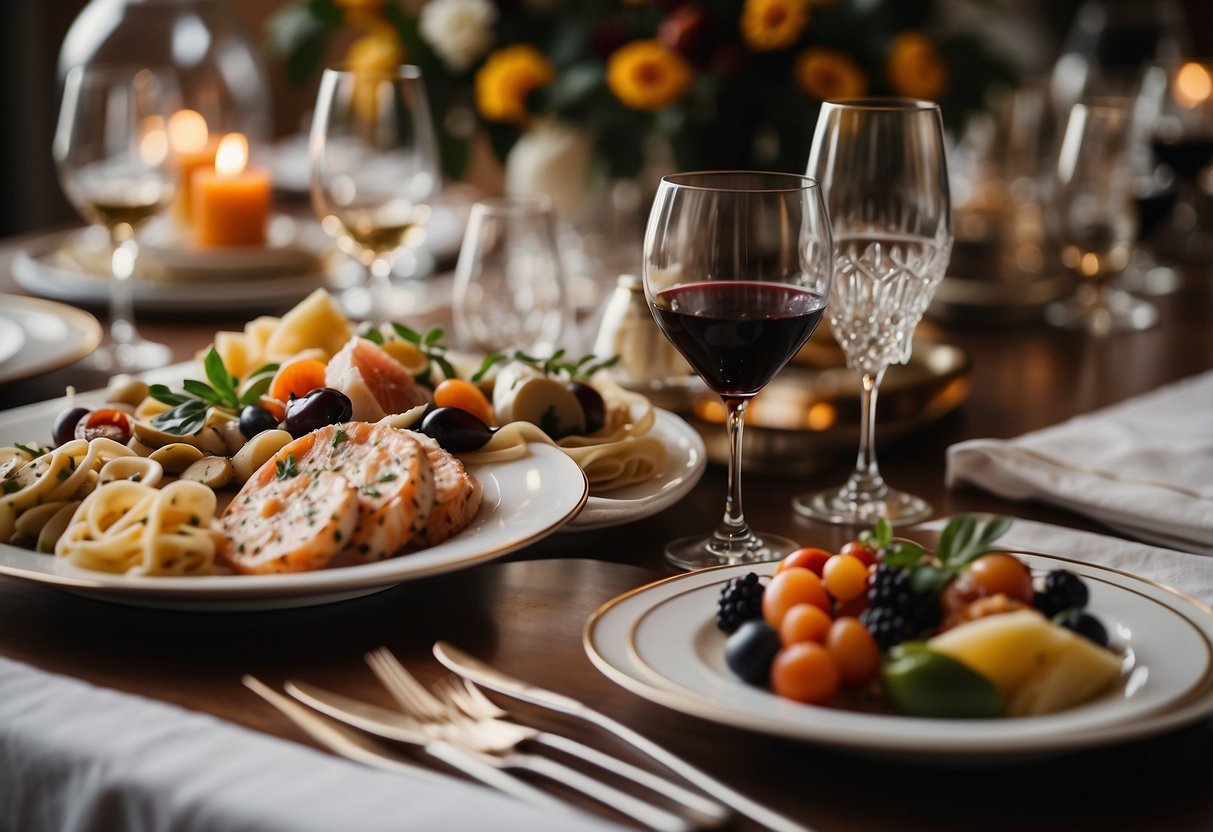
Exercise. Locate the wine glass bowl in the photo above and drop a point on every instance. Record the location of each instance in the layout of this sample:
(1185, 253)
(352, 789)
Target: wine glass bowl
(882, 166)
(373, 172)
(112, 152)
(737, 271)
(1182, 140)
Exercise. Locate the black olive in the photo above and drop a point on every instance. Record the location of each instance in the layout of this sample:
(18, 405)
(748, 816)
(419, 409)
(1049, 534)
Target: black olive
(255, 419)
(320, 407)
(456, 429)
(592, 405)
(64, 429)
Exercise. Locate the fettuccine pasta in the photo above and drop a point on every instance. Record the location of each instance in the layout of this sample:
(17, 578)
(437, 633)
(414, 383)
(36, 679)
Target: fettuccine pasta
(127, 527)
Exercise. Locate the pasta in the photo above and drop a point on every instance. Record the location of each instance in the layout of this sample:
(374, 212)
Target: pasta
(127, 527)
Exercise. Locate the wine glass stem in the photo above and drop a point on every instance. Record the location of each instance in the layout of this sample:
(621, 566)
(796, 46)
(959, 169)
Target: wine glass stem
(865, 482)
(733, 526)
(122, 266)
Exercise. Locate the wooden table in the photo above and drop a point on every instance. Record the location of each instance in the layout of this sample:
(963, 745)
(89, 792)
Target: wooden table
(525, 614)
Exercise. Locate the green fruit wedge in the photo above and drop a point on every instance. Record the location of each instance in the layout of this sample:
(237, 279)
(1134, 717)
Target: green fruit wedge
(921, 682)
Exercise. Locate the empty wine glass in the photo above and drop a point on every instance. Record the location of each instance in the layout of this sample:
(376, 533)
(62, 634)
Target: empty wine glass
(1095, 219)
(510, 288)
(882, 166)
(737, 271)
(373, 173)
(112, 153)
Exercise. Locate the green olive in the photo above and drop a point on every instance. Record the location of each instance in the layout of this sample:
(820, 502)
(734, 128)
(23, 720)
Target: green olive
(921, 682)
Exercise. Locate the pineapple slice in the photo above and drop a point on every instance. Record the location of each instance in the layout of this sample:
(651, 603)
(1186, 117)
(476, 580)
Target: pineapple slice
(316, 321)
(1037, 666)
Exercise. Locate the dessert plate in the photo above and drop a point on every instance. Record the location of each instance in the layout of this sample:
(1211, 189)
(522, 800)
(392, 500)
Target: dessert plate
(661, 642)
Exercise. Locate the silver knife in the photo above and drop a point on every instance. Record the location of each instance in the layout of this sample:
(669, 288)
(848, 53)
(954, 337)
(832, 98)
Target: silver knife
(484, 675)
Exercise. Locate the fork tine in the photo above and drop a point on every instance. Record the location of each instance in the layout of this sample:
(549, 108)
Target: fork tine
(482, 701)
(404, 687)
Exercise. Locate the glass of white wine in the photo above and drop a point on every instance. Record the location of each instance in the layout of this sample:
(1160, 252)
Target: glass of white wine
(112, 152)
(373, 172)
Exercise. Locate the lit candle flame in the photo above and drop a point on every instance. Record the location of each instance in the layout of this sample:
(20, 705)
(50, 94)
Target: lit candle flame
(232, 155)
(187, 131)
(1192, 86)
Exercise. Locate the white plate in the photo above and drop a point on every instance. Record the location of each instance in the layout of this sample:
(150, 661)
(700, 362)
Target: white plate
(661, 642)
(52, 336)
(41, 269)
(12, 336)
(524, 500)
(686, 463)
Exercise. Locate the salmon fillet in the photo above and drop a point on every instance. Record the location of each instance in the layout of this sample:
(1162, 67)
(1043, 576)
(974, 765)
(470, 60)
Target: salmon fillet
(457, 494)
(377, 384)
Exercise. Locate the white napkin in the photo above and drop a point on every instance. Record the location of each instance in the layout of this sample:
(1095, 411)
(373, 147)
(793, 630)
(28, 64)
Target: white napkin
(1188, 573)
(1144, 467)
(78, 757)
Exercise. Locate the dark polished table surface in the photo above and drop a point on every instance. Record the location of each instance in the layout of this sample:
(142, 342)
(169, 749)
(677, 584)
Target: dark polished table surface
(525, 613)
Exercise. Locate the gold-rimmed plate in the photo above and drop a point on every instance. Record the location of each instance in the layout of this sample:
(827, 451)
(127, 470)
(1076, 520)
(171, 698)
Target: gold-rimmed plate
(661, 643)
(525, 500)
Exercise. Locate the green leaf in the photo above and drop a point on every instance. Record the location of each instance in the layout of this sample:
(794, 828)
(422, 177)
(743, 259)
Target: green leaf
(956, 536)
(287, 467)
(223, 382)
(256, 390)
(264, 369)
(489, 362)
(901, 553)
(994, 529)
(372, 334)
(590, 369)
(161, 393)
(879, 537)
(202, 391)
(185, 419)
(433, 336)
(410, 335)
(928, 579)
(447, 369)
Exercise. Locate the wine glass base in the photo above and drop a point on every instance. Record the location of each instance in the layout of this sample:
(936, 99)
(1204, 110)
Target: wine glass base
(702, 551)
(840, 507)
(1113, 311)
(130, 357)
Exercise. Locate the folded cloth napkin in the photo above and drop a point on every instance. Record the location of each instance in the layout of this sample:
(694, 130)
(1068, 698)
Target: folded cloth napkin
(1188, 573)
(78, 757)
(1143, 467)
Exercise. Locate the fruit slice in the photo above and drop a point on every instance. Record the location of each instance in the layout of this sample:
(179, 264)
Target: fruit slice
(376, 383)
(1078, 672)
(922, 682)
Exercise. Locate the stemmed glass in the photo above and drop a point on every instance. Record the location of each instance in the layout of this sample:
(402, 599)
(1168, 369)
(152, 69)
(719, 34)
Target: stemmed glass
(1182, 139)
(373, 172)
(510, 287)
(737, 271)
(881, 163)
(1095, 219)
(112, 152)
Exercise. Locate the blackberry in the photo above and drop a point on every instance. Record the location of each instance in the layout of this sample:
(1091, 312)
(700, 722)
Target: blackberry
(896, 612)
(1084, 624)
(740, 601)
(1063, 591)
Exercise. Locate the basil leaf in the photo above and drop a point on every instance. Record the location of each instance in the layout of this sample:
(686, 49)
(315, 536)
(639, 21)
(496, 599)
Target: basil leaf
(928, 579)
(957, 536)
(433, 336)
(161, 393)
(223, 382)
(202, 391)
(902, 553)
(489, 362)
(264, 369)
(407, 334)
(448, 370)
(995, 528)
(255, 391)
(185, 419)
(373, 335)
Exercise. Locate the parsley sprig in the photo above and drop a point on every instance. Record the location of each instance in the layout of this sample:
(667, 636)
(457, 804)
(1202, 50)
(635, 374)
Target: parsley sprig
(430, 344)
(962, 541)
(556, 366)
(189, 409)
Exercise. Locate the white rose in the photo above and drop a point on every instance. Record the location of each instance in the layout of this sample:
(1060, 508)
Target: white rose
(553, 159)
(460, 31)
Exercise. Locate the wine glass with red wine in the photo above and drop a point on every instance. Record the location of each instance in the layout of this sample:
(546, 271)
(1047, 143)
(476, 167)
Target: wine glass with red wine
(1182, 140)
(737, 271)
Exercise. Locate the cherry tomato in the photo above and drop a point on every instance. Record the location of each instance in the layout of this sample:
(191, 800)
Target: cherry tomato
(790, 587)
(845, 577)
(810, 557)
(1000, 572)
(805, 672)
(804, 622)
(854, 650)
(106, 422)
(865, 553)
(297, 379)
(455, 392)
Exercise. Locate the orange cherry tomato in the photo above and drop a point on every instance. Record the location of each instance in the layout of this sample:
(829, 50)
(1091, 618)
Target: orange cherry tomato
(108, 423)
(854, 650)
(865, 553)
(455, 392)
(297, 379)
(1000, 572)
(804, 622)
(845, 577)
(805, 672)
(790, 587)
(810, 558)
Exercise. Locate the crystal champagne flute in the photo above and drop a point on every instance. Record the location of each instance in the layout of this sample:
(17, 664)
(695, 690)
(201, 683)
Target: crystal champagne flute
(112, 152)
(882, 166)
(737, 271)
(373, 172)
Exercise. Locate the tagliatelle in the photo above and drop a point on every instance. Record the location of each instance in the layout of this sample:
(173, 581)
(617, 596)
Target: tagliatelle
(127, 527)
(618, 455)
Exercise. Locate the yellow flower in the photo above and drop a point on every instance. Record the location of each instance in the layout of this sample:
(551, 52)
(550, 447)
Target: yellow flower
(767, 25)
(647, 75)
(370, 58)
(508, 76)
(827, 74)
(915, 68)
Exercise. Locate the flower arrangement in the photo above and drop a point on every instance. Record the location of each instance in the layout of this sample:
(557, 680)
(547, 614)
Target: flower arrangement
(727, 83)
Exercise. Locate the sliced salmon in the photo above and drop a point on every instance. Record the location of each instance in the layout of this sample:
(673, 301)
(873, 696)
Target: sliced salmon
(457, 494)
(388, 472)
(377, 384)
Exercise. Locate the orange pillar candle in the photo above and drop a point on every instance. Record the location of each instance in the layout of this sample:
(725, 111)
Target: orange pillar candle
(231, 202)
(192, 148)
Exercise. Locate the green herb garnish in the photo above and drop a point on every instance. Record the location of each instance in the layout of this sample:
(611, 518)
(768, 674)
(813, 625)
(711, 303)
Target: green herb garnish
(962, 541)
(189, 409)
(287, 468)
(339, 436)
(554, 366)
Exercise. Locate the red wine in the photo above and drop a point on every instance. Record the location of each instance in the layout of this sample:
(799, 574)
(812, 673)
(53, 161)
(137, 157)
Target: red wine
(1186, 156)
(1152, 208)
(737, 335)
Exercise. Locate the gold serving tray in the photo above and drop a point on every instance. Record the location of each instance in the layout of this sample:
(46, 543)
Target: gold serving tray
(808, 417)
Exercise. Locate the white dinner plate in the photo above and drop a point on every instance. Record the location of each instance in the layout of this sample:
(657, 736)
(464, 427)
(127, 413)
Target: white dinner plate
(661, 642)
(52, 335)
(684, 466)
(524, 500)
(12, 337)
